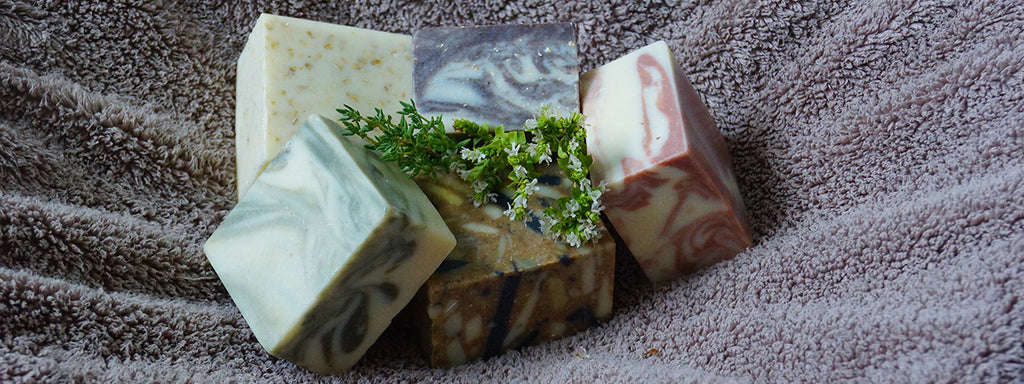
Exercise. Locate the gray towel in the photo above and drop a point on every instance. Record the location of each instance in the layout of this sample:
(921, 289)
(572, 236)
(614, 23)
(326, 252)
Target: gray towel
(879, 146)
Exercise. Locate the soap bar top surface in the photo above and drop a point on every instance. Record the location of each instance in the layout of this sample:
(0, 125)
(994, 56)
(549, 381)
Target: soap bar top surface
(488, 241)
(327, 246)
(291, 68)
(659, 117)
(500, 75)
(672, 194)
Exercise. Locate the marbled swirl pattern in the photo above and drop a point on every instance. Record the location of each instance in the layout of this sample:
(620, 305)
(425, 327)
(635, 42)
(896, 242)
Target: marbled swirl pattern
(672, 194)
(325, 248)
(501, 75)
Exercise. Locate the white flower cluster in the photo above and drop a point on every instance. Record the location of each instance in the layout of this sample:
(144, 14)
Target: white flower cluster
(585, 229)
(475, 155)
(594, 193)
(479, 186)
(573, 219)
(537, 147)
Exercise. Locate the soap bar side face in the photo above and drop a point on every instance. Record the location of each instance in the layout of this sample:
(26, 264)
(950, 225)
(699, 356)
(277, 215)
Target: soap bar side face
(505, 285)
(251, 109)
(326, 248)
(647, 128)
(672, 194)
(291, 68)
(501, 75)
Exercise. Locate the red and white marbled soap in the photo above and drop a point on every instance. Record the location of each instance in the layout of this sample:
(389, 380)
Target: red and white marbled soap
(672, 194)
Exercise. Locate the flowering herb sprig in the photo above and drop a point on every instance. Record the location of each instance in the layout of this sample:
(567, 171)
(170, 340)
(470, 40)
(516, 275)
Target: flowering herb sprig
(490, 160)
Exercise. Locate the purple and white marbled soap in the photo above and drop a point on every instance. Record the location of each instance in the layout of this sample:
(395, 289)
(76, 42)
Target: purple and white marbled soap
(501, 75)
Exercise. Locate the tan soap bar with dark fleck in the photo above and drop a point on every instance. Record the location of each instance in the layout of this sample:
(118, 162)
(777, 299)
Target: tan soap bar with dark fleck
(505, 285)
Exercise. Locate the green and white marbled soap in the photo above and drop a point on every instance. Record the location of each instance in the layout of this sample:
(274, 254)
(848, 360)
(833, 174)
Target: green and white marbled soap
(326, 247)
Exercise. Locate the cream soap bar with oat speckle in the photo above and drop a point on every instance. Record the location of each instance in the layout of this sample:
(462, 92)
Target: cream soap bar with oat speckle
(505, 285)
(291, 68)
(326, 248)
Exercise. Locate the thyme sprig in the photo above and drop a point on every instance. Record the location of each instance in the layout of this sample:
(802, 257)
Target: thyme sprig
(490, 160)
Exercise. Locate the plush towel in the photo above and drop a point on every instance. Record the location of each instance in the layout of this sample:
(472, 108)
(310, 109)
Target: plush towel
(879, 146)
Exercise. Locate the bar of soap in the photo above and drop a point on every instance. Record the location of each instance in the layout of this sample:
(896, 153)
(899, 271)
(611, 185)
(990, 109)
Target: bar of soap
(505, 285)
(291, 68)
(326, 248)
(501, 75)
(672, 194)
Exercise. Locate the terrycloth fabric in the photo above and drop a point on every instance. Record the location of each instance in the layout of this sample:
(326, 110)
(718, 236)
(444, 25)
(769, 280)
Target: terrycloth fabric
(879, 146)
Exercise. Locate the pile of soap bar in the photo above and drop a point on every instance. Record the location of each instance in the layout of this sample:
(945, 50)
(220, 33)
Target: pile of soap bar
(327, 243)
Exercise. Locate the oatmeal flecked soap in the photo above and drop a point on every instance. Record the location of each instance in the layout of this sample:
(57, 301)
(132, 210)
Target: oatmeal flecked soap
(328, 245)
(499, 75)
(672, 194)
(291, 68)
(505, 285)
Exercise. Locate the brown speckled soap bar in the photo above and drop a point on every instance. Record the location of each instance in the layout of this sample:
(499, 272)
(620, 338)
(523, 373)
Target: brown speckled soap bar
(505, 285)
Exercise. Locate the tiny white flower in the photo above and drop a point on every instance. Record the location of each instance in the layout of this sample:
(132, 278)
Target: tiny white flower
(572, 206)
(546, 222)
(510, 212)
(479, 186)
(575, 164)
(531, 149)
(544, 158)
(519, 202)
(534, 150)
(520, 171)
(589, 229)
(474, 155)
(574, 144)
(572, 239)
(593, 234)
(530, 124)
(513, 150)
(531, 187)
(586, 184)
